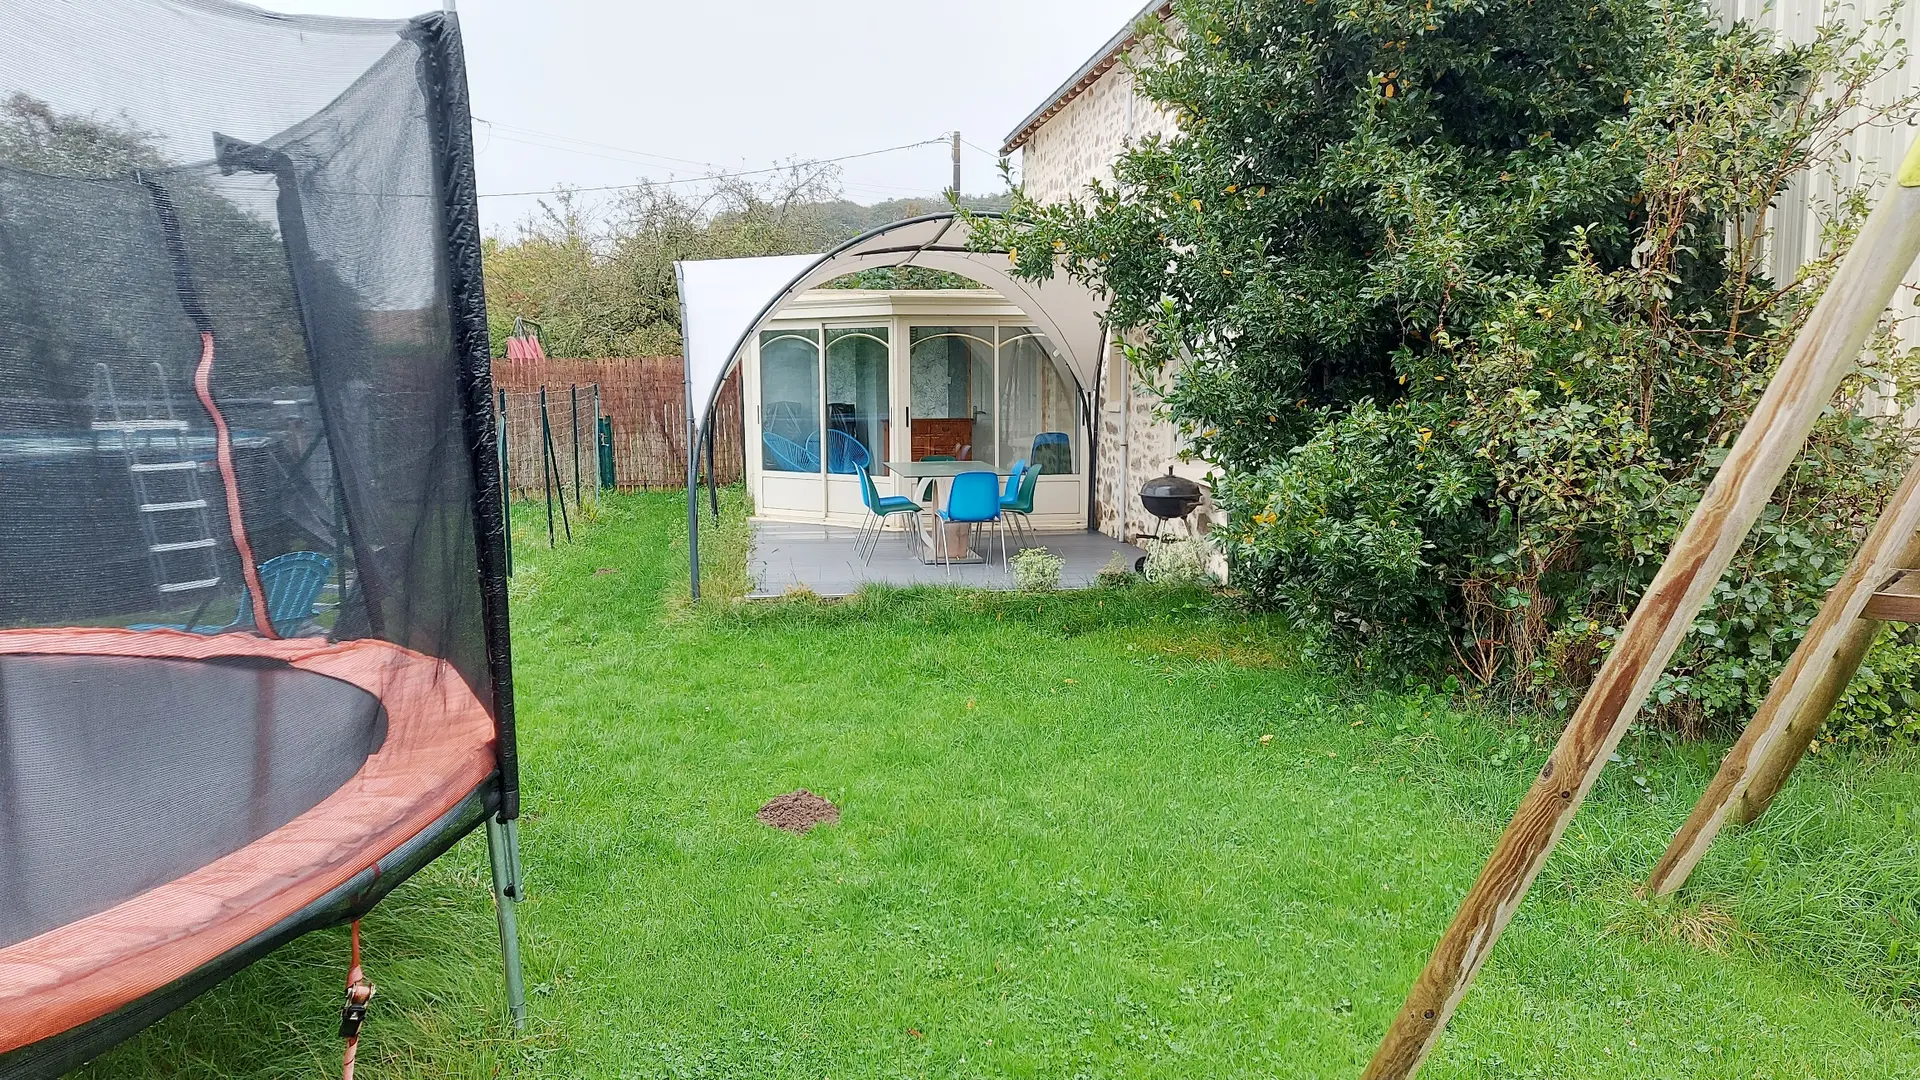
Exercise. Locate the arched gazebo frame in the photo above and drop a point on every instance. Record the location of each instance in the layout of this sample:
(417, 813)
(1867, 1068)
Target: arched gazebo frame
(724, 302)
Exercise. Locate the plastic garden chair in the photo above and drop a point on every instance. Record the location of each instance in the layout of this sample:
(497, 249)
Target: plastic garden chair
(926, 493)
(846, 453)
(974, 499)
(1013, 481)
(787, 455)
(879, 509)
(1054, 451)
(1018, 507)
(292, 582)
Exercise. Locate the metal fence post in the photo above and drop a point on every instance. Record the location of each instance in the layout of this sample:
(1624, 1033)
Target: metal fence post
(573, 413)
(546, 462)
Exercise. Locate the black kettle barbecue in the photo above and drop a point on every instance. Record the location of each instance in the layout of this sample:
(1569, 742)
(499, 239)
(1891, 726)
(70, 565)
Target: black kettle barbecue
(1168, 498)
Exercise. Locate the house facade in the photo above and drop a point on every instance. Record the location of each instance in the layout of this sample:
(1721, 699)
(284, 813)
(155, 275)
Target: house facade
(1071, 140)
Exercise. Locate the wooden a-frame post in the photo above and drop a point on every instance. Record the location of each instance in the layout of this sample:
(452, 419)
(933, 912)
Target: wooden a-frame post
(1803, 694)
(1774, 435)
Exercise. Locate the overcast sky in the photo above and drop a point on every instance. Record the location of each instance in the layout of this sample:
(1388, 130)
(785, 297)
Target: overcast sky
(742, 84)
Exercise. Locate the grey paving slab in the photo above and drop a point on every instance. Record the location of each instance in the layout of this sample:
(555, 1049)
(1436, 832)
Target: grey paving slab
(787, 556)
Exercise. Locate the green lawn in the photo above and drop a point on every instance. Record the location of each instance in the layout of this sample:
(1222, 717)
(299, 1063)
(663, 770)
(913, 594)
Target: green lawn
(1065, 852)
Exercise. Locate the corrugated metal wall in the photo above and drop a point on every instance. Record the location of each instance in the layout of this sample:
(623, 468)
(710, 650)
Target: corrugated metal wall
(1875, 152)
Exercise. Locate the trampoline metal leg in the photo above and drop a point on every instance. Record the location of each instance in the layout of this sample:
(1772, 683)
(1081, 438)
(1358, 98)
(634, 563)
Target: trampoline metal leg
(503, 846)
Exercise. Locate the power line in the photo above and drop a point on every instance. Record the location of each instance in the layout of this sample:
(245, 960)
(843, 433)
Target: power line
(686, 179)
(982, 149)
(494, 125)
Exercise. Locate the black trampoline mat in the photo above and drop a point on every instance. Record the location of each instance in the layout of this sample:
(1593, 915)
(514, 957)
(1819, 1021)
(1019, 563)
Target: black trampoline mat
(118, 774)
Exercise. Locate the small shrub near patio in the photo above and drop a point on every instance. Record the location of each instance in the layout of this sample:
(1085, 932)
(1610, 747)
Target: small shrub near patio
(1037, 570)
(1180, 562)
(1117, 572)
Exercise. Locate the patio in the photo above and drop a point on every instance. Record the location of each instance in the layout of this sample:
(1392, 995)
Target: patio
(789, 555)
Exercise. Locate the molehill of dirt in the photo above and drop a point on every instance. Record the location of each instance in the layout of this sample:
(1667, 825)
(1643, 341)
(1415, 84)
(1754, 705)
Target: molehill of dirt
(798, 811)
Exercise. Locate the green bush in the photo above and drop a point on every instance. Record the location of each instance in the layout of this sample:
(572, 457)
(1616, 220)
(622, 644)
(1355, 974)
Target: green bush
(1179, 562)
(1036, 569)
(1465, 302)
(1883, 701)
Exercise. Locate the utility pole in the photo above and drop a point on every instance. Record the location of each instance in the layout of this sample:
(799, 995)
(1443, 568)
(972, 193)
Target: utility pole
(956, 165)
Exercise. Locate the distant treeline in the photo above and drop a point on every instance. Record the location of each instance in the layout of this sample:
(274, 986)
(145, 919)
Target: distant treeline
(600, 281)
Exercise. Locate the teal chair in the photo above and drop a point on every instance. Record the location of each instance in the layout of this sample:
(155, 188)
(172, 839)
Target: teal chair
(292, 583)
(1017, 504)
(879, 509)
(973, 500)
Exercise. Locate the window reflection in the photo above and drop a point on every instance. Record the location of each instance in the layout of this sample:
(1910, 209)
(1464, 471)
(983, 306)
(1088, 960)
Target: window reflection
(790, 438)
(1039, 409)
(951, 380)
(858, 426)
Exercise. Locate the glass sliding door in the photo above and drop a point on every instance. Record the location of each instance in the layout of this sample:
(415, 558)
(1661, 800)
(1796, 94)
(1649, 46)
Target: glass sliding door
(858, 403)
(1039, 408)
(790, 439)
(951, 382)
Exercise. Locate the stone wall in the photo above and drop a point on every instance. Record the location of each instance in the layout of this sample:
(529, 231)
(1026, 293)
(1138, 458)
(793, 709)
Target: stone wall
(1076, 147)
(1080, 144)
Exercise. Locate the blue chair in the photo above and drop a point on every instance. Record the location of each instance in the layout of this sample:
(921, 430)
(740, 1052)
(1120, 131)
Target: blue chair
(1018, 508)
(972, 500)
(1013, 481)
(785, 455)
(292, 583)
(879, 509)
(1053, 451)
(846, 453)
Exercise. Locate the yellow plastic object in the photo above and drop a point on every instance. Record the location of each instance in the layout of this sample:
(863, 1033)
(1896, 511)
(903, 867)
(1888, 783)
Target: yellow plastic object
(1910, 168)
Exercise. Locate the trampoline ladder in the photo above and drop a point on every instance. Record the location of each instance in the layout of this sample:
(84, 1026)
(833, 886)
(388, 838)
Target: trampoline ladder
(174, 513)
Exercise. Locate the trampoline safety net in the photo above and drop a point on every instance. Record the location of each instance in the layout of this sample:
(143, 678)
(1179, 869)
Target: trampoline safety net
(250, 529)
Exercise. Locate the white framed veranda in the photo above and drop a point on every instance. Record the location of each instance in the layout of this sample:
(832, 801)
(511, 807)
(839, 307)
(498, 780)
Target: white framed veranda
(726, 305)
(840, 378)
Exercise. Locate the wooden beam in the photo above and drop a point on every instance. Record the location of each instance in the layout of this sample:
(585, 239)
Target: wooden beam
(1805, 691)
(1898, 600)
(1821, 357)
(1771, 774)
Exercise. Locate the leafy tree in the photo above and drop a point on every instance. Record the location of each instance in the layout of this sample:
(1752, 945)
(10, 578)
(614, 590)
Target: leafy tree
(606, 288)
(58, 167)
(1465, 300)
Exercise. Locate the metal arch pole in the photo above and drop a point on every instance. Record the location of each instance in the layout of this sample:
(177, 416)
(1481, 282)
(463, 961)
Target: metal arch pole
(713, 475)
(509, 888)
(1090, 467)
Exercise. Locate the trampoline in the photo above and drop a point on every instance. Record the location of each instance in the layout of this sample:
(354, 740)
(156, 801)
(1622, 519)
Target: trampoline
(241, 321)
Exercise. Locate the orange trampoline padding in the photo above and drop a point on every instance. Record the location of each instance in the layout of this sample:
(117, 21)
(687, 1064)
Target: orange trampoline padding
(438, 749)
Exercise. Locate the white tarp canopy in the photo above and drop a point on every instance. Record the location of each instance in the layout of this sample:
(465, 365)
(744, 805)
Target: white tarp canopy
(723, 302)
